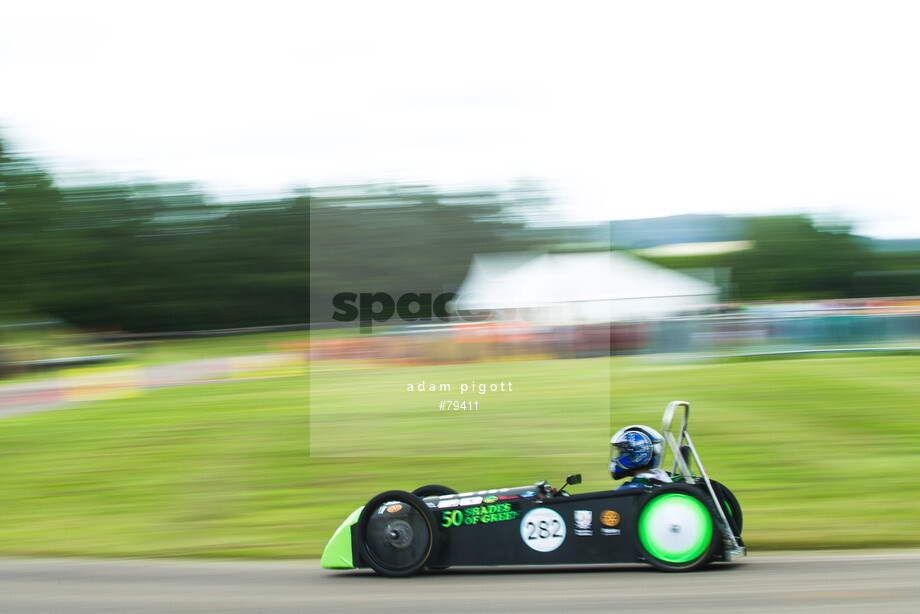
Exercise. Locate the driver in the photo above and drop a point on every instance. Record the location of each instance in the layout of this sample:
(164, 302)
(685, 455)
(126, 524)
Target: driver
(636, 451)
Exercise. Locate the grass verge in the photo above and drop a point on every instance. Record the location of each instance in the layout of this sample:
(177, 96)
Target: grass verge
(818, 450)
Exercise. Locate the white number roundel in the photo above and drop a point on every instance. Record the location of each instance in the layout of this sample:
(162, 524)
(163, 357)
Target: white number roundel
(543, 529)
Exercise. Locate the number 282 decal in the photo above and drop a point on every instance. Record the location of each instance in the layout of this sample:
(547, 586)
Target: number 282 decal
(543, 529)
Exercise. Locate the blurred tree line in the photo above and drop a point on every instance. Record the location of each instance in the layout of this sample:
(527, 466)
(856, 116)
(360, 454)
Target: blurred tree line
(155, 257)
(793, 258)
(163, 257)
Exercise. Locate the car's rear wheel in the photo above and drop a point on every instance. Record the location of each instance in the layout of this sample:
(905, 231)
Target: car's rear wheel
(676, 529)
(397, 533)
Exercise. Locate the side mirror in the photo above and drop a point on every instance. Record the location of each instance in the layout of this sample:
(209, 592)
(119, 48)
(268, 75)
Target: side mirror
(575, 478)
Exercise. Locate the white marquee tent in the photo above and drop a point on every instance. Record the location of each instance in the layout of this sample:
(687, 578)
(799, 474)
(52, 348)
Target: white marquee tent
(579, 288)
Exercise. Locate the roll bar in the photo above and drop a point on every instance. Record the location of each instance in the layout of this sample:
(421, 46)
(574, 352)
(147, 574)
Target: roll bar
(682, 449)
(675, 444)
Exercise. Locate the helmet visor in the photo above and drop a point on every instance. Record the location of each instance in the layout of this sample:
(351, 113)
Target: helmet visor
(633, 450)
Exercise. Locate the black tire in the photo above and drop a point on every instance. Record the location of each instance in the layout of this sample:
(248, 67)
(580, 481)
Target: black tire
(730, 506)
(433, 490)
(676, 529)
(396, 533)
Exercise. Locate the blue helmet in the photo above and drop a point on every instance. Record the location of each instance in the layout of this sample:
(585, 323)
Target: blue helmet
(635, 448)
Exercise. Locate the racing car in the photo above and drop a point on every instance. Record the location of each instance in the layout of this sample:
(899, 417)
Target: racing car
(678, 525)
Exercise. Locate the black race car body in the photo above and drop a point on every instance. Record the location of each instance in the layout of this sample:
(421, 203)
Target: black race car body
(675, 526)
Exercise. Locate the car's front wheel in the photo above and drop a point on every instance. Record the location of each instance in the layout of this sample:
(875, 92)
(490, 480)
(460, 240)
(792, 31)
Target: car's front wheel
(676, 529)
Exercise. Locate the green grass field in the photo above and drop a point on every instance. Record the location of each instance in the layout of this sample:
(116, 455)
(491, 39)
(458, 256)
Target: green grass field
(211, 470)
(818, 450)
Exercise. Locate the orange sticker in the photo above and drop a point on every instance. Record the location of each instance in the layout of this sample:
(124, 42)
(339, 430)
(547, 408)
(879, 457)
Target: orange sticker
(609, 518)
(395, 508)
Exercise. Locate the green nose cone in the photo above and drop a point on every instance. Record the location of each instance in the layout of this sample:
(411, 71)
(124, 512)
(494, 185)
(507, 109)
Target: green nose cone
(337, 554)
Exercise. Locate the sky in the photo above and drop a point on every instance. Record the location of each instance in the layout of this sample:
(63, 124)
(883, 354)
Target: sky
(619, 109)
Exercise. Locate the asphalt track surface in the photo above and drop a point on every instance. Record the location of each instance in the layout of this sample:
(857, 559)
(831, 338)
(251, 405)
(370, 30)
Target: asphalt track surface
(837, 583)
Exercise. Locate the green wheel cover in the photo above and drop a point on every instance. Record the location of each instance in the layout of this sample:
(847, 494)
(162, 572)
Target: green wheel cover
(675, 528)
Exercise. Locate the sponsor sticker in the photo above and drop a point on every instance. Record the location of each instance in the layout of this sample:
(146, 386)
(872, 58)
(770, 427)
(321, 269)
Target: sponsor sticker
(583, 520)
(528, 494)
(543, 529)
(470, 501)
(489, 499)
(448, 503)
(394, 508)
(610, 518)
